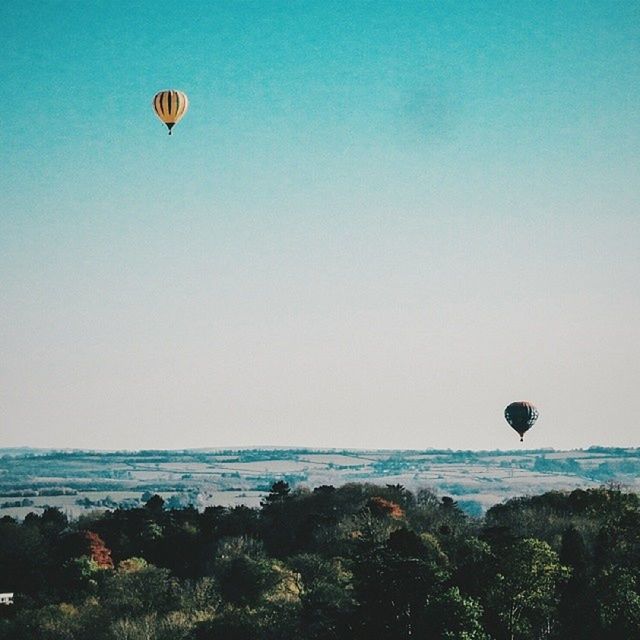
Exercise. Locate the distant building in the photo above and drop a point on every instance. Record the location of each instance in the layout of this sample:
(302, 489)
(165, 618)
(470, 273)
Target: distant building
(6, 598)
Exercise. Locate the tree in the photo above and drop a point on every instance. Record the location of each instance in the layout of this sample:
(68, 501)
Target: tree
(452, 616)
(575, 610)
(326, 596)
(618, 604)
(280, 491)
(155, 503)
(243, 581)
(98, 551)
(53, 522)
(80, 576)
(474, 565)
(392, 584)
(524, 594)
(385, 508)
(138, 589)
(26, 559)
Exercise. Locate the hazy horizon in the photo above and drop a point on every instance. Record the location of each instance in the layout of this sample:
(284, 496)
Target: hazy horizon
(522, 450)
(377, 225)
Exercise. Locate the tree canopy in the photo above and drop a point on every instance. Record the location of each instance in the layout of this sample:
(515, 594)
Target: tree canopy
(352, 562)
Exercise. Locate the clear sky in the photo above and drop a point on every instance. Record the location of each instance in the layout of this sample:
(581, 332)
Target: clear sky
(377, 225)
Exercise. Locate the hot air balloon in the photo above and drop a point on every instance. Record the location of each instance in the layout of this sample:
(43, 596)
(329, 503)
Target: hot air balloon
(170, 106)
(521, 416)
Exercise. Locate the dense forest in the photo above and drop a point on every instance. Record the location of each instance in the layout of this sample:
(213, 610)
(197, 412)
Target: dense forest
(355, 562)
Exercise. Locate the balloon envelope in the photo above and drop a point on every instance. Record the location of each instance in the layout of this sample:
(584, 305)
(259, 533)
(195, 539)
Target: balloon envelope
(521, 416)
(170, 106)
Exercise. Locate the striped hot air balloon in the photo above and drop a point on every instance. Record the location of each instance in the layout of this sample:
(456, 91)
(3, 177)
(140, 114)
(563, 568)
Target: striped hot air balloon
(170, 106)
(521, 416)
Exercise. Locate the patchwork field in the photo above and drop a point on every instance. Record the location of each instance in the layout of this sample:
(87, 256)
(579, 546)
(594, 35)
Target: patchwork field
(81, 481)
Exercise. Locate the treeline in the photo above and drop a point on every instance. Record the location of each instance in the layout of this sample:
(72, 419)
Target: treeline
(351, 563)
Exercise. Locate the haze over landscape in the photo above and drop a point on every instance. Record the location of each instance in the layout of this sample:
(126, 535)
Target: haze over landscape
(377, 225)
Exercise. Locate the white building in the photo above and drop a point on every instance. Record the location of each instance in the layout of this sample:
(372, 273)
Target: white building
(6, 598)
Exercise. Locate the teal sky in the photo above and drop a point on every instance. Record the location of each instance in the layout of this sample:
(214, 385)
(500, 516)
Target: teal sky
(377, 225)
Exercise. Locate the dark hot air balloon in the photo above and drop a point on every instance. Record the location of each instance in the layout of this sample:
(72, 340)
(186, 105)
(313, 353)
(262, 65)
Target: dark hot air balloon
(170, 106)
(521, 416)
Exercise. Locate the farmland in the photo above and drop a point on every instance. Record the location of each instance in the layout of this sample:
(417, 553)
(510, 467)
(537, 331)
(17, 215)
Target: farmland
(83, 481)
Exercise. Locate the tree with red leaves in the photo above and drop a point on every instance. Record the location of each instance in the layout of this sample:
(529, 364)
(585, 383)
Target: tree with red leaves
(98, 550)
(381, 507)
